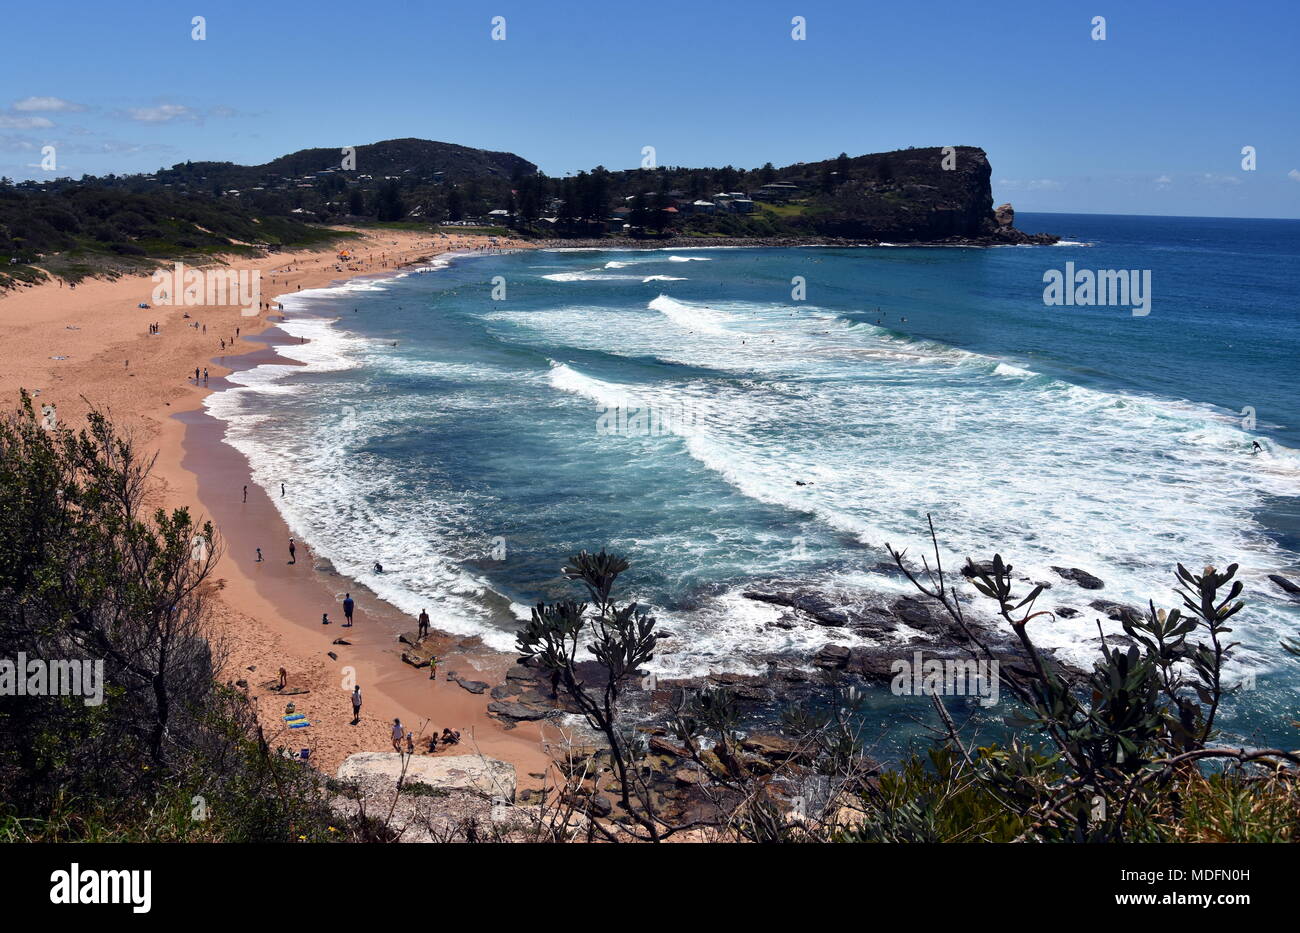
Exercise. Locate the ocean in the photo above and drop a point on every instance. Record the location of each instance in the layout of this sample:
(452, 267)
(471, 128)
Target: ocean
(731, 416)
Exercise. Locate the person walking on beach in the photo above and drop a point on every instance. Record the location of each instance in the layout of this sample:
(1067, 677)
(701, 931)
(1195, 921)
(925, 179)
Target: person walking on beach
(348, 606)
(259, 556)
(410, 743)
(433, 667)
(293, 552)
(356, 704)
(424, 623)
(245, 492)
(397, 735)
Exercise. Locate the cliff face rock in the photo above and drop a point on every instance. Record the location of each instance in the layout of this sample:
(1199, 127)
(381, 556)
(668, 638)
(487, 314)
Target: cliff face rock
(931, 194)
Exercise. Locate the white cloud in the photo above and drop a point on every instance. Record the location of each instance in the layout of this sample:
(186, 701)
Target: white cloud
(17, 143)
(1294, 174)
(163, 113)
(23, 123)
(1210, 178)
(1164, 180)
(45, 105)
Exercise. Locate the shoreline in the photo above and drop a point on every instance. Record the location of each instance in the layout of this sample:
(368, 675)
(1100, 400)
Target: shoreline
(620, 243)
(85, 347)
(375, 652)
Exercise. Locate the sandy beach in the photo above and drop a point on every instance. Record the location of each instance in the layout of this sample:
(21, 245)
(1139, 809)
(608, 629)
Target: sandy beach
(93, 345)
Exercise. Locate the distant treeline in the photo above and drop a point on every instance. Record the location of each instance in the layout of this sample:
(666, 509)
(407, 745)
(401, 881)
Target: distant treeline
(98, 223)
(95, 228)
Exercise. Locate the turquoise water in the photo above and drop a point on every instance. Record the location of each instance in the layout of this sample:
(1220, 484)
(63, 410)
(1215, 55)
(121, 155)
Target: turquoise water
(474, 455)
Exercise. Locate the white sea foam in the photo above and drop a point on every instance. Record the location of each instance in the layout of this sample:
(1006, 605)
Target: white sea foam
(338, 501)
(882, 428)
(592, 275)
(1046, 472)
(694, 317)
(1006, 369)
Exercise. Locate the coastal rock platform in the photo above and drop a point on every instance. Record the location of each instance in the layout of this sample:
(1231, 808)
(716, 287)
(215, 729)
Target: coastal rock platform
(487, 776)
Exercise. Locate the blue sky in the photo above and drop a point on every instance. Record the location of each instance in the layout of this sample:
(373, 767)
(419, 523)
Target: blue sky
(1151, 120)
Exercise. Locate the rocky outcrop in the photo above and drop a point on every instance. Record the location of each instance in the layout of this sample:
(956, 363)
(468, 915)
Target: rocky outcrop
(815, 606)
(1081, 577)
(1116, 612)
(473, 686)
(519, 712)
(931, 194)
(871, 620)
(486, 776)
(1287, 586)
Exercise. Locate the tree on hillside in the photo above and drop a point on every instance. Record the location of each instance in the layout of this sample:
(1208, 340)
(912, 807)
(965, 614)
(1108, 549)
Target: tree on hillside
(640, 215)
(389, 205)
(455, 205)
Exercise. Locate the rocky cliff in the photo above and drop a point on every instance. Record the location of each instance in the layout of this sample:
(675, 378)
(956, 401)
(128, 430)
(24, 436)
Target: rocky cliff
(932, 194)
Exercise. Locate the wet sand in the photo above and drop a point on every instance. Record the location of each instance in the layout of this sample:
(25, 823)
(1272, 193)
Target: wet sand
(300, 594)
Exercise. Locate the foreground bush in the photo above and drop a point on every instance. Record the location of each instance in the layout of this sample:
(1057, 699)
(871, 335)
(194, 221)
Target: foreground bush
(89, 573)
